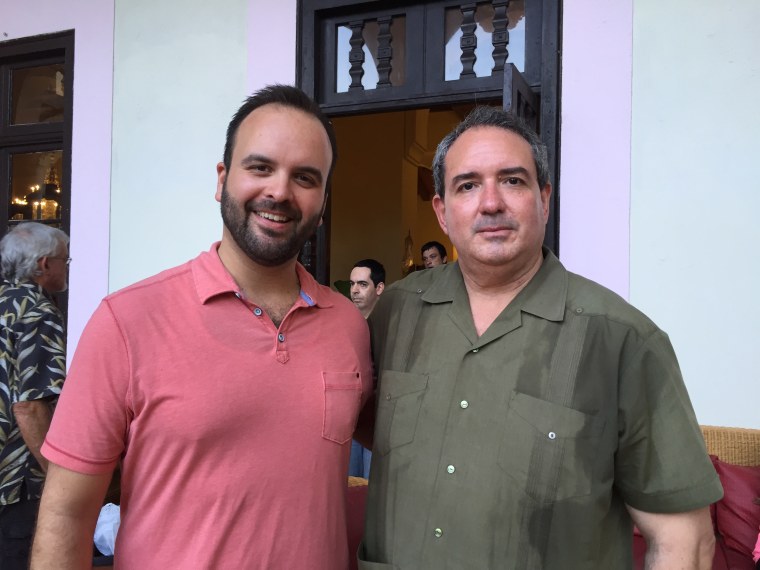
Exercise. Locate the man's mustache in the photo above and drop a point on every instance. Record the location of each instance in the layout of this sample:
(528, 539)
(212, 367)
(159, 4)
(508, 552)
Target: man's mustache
(495, 222)
(284, 208)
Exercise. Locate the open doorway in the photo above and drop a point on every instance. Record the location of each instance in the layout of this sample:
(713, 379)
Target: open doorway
(382, 188)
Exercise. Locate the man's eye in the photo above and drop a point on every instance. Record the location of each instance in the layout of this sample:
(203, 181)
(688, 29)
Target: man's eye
(467, 186)
(513, 181)
(305, 180)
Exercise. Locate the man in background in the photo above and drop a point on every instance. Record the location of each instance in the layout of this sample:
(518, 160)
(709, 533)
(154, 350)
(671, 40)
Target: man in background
(34, 265)
(367, 282)
(433, 254)
(228, 387)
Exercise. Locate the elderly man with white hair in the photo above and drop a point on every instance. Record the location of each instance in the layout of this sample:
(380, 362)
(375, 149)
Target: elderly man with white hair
(34, 262)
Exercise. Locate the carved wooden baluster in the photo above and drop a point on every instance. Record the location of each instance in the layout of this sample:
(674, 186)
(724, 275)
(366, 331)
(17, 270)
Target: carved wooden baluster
(384, 52)
(500, 36)
(356, 55)
(468, 42)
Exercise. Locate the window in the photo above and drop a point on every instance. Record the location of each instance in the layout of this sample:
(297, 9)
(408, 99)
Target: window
(35, 130)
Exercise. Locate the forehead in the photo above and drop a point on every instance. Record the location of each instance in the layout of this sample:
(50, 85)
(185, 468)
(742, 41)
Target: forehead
(275, 129)
(360, 274)
(483, 149)
(431, 251)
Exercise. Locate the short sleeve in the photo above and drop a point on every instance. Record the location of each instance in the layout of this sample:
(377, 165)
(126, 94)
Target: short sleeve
(41, 354)
(89, 427)
(661, 464)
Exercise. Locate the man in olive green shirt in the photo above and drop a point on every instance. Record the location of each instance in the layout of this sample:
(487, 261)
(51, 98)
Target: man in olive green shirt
(526, 417)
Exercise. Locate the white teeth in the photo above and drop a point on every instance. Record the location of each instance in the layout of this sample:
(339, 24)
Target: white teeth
(273, 217)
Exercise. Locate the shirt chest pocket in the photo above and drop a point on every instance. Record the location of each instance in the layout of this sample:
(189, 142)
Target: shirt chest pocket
(549, 450)
(399, 400)
(343, 398)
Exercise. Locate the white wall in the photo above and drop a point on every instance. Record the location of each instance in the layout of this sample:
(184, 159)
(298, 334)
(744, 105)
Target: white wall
(695, 195)
(180, 74)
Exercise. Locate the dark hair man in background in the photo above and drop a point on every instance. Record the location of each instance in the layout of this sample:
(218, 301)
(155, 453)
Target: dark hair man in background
(366, 282)
(34, 264)
(433, 254)
(527, 417)
(228, 387)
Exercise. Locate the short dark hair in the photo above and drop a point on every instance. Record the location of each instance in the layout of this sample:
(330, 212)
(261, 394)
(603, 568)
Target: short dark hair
(483, 116)
(287, 96)
(437, 245)
(376, 270)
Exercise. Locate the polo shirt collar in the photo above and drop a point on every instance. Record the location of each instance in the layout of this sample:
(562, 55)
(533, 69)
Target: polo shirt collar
(544, 296)
(212, 278)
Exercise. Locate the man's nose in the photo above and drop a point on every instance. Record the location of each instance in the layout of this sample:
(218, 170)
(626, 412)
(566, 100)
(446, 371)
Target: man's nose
(491, 197)
(279, 187)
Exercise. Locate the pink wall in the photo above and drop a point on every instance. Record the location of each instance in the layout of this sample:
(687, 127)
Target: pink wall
(271, 43)
(596, 140)
(93, 22)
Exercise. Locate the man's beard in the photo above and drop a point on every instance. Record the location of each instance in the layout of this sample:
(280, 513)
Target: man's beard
(267, 251)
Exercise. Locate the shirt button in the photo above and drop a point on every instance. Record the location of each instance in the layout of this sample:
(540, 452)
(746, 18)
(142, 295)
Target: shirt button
(438, 533)
(552, 435)
(475, 349)
(388, 396)
(463, 404)
(450, 469)
(419, 290)
(257, 312)
(281, 337)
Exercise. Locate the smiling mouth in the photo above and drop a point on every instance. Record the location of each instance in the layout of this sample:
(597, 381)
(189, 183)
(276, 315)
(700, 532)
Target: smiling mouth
(272, 217)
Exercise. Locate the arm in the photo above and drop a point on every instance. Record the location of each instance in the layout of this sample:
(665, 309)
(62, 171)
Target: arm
(66, 522)
(33, 419)
(678, 541)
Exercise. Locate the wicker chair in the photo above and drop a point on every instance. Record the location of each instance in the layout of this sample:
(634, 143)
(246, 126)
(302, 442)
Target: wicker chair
(738, 446)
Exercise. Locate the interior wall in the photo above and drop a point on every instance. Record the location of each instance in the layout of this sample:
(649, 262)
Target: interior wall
(366, 214)
(695, 199)
(92, 22)
(428, 229)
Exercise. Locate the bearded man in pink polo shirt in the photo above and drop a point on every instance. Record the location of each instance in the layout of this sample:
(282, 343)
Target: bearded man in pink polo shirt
(228, 387)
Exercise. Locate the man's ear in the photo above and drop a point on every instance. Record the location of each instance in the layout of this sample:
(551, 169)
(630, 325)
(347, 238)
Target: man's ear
(546, 192)
(221, 178)
(445, 259)
(380, 287)
(324, 207)
(439, 207)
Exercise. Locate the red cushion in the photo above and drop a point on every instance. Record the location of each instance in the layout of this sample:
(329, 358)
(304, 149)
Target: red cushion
(738, 517)
(355, 505)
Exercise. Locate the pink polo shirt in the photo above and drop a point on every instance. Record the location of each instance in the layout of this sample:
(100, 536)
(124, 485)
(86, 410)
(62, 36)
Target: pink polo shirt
(234, 434)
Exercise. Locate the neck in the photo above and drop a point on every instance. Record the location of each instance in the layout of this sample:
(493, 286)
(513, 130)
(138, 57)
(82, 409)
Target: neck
(491, 290)
(258, 282)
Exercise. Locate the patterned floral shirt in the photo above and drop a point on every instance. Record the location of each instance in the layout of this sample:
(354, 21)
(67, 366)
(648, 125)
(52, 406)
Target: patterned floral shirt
(32, 367)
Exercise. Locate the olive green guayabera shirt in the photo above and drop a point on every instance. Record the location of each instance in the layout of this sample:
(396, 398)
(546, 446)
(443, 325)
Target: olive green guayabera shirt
(519, 449)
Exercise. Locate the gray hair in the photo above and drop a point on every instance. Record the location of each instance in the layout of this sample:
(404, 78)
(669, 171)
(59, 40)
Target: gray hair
(483, 116)
(24, 245)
